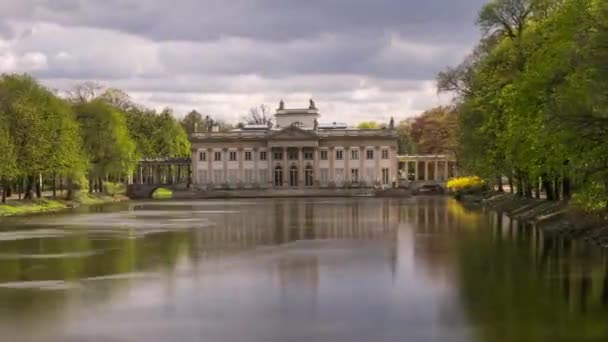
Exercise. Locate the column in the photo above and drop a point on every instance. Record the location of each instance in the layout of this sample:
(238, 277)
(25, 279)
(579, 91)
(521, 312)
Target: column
(347, 164)
(210, 165)
(240, 156)
(377, 160)
(394, 170)
(445, 170)
(332, 157)
(426, 170)
(315, 167)
(362, 157)
(270, 171)
(194, 154)
(300, 167)
(225, 164)
(256, 166)
(416, 170)
(435, 178)
(285, 168)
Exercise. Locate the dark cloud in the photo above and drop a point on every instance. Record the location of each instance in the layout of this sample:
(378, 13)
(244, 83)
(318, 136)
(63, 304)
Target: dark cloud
(356, 56)
(428, 21)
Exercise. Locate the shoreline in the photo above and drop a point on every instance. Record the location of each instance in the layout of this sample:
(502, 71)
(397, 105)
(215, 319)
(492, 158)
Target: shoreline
(48, 205)
(553, 217)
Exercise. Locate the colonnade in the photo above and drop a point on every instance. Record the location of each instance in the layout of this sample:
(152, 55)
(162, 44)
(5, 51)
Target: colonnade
(162, 173)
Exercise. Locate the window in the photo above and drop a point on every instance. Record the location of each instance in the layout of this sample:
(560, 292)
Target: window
(354, 175)
(308, 155)
(339, 176)
(202, 176)
(248, 176)
(385, 176)
(263, 155)
(339, 154)
(323, 154)
(384, 154)
(262, 176)
(217, 156)
(247, 155)
(233, 176)
(354, 154)
(324, 176)
(202, 156)
(278, 156)
(292, 155)
(370, 154)
(232, 156)
(217, 176)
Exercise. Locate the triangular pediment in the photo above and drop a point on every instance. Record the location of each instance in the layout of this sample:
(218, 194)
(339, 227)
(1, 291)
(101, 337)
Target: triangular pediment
(293, 133)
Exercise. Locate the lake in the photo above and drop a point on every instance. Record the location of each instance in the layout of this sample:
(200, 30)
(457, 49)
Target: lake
(324, 269)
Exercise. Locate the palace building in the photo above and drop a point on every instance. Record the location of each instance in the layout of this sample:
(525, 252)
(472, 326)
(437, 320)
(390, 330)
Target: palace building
(297, 152)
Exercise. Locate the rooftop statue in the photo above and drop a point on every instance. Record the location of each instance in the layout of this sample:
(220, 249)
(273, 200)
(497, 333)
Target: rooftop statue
(312, 105)
(391, 124)
(281, 105)
(315, 124)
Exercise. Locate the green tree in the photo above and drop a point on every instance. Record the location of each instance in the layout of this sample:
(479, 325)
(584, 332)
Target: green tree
(107, 142)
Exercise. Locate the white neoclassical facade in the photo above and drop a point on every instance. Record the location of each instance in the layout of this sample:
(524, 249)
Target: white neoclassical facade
(297, 152)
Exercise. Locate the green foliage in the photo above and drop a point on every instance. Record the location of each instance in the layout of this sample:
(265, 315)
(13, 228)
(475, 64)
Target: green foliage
(112, 188)
(533, 103)
(106, 138)
(157, 135)
(369, 125)
(162, 193)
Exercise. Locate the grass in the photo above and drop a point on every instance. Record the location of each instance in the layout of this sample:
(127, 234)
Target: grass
(162, 193)
(41, 205)
(12, 208)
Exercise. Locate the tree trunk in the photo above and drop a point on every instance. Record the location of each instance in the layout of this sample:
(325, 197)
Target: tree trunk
(566, 188)
(61, 186)
(19, 187)
(4, 190)
(100, 185)
(556, 188)
(548, 186)
(90, 184)
(54, 185)
(9, 189)
(520, 185)
(511, 190)
(499, 184)
(38, 187)
(537, 189)
(70, 188)
(29, 188)
(528, 187)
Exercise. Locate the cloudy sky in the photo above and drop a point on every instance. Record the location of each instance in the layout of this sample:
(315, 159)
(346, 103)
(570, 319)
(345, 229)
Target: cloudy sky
(359, 59)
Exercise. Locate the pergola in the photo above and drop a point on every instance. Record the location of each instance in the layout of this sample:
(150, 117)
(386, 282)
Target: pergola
(426, 168)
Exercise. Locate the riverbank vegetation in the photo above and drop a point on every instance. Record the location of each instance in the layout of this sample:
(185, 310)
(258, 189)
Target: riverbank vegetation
(84, 139)
(532, 99)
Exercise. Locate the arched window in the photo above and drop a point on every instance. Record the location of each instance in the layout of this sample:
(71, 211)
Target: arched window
(308, 176)
(278, 176)
(293, 176)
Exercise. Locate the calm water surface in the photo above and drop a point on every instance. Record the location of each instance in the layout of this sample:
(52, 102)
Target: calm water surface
(423, 269)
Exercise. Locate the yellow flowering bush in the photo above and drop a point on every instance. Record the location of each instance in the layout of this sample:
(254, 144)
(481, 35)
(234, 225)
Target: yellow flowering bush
(466, 184)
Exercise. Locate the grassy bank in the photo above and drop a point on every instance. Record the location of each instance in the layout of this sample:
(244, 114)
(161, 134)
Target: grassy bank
(554, 217)
(41, 205)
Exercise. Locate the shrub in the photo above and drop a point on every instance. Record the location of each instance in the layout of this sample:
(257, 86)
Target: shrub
(112, 189)
(473, 184)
